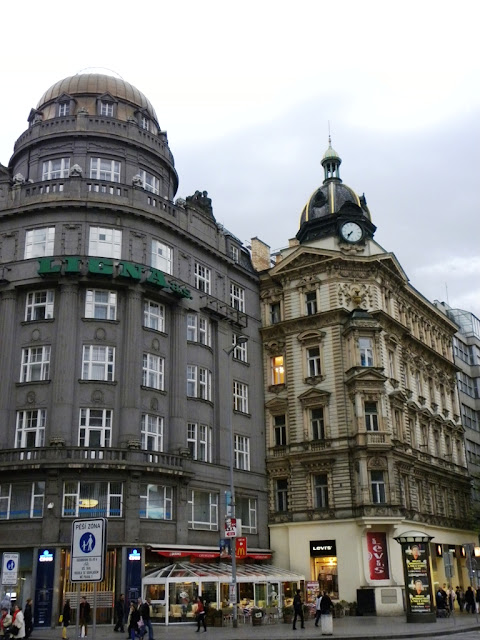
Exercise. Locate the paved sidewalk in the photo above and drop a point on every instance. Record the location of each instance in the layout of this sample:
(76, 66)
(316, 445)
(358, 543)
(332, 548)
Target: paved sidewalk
(379, 628)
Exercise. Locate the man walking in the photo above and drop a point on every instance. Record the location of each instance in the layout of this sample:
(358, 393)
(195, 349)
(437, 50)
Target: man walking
(318, 611)
(298, 609)
(84, 616)
(145, 613)
(120, 614)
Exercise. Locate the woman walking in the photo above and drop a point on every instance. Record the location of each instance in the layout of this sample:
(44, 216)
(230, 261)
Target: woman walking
(66, 615)
(18, 621)
(201, 614)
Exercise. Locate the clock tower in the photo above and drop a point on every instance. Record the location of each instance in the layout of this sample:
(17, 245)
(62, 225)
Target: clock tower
(335, 210)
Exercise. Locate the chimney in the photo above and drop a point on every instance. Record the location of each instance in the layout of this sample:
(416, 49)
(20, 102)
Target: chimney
(260, 255)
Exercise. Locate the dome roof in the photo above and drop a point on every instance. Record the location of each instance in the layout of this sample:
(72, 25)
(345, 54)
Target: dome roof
(97, 84)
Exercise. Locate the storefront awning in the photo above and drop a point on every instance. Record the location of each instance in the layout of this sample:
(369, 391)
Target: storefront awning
(223, 572)
(206, 553)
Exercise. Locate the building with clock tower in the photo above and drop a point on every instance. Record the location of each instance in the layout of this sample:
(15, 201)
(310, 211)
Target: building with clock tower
(364, 438)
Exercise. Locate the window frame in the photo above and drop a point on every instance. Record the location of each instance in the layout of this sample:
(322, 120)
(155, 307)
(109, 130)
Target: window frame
(366, 348)
(317, 423)
(313, 361)
(247, 506)
(202, 278)
(311, 302)
(320, 490)
(33, 244)
(93, 305)
(279, 429)
(378, 487)
(153, 374)
(24, 418)
(108, 247)
(277, 370)
(199, 441)
(241, 451)
(153, 315)
(163, 263)
(372, 417)
(87, 427)
(166, 502)
(152, 432)
(89, 363)
(281, 495)
(150, 182)
(35, 500)
(30, 364)
(102, 489)
(199, 382)
(240, 397)
(99, 170)
(32, 305)
(240, 352)
(237, 297)
(50, 173)
(212, 523)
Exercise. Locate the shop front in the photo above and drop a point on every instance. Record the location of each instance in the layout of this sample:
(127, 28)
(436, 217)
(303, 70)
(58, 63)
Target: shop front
(323, 555)
(174, 589)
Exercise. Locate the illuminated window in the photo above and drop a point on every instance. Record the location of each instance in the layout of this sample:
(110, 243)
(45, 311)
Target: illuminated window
(278, 370)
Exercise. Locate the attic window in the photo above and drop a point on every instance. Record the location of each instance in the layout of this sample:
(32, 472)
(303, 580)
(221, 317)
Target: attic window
(234, 253)
(145, 123)
(64, 109)
(106, 109)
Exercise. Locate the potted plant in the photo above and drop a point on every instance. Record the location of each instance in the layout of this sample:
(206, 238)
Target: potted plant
(288, 614)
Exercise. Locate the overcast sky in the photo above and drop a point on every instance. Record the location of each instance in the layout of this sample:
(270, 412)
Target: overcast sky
(246, 91)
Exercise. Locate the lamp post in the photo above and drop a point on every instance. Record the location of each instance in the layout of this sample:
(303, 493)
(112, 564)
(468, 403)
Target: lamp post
(416, 570)
(239, 340)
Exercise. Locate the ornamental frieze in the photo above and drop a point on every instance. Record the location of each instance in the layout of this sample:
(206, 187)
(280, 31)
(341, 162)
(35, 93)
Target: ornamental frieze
(354, 294)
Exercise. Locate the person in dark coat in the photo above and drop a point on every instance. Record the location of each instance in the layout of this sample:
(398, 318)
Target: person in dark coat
(298, 609)
(133, 620)
(66, 615)
(28, 616)
(469, 600)
(84, 614)
(145, 613)
(120, 614)
(201, 614)
(326, 604)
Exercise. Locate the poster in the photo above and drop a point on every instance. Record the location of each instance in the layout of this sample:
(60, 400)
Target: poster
(418, 583)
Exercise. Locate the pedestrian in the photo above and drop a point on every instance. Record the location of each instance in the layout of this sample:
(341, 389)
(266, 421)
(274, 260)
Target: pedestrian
(298, 610)
(84, 616)
(5, 621)
(326, 607)
(18, 621)
(120, 614)
(133, 620)
(201, 614)
(145, 614)
(28, 615)
(460, 597)
(469, 600)
(66, 616)
(318, 611)
(477, 599)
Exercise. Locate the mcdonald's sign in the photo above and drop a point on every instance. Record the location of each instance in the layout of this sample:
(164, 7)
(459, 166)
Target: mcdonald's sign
(240, 548)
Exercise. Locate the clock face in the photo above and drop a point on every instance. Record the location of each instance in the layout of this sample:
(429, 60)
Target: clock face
(351, 232)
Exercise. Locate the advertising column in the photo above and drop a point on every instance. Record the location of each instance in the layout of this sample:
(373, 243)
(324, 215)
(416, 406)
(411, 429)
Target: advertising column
(420, 606)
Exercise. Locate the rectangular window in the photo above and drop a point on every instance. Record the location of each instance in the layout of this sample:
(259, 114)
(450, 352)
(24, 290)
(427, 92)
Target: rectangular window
(39, 242)
(275, 312)
(198, 329)
(240, 397)
(237, 297)
(314, 367)
(277, 370)
(199, 441)
(152, 432)
(466, 384)
(203, 507)
(242, 452)
(234, 253)
(105, 243)
(240, 351)
(162, 256)
(39, 305)
(156, 502)
(317, 423)
(365, 346)
(153, 370)
(145, 123)
(95, 428)
(98, 363)
(35, 364)
(371, 416)
(63, 109)
(246, 511)
(199, 382)
(320, 491)
(391, 364)
(55, 169)
(153, 315)
(203, 277)
(280, 430)
(103, 169)
(378, 487)
(281, 494)
(101, 304)
(150, 182)
(311, 303)
(92, 499)
(106, 109)
(21, 500)
(30, 430)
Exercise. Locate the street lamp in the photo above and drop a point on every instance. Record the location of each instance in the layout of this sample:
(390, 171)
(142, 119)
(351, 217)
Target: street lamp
(239, 340)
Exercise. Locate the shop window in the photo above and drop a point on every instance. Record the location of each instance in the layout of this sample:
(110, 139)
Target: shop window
(279, 430)
(278, 370)
(21, 500)
(326, 573)
(39, 305)
(377, 481)
(92, 499)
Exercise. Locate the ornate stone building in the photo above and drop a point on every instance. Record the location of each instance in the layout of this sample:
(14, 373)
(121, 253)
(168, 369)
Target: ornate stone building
(364, 438)
(117, 309)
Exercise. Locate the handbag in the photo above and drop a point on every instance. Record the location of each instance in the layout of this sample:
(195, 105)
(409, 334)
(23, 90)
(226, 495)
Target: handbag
(60, 619)
(14, 630)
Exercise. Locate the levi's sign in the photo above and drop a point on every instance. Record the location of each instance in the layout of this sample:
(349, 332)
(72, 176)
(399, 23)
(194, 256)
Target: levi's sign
(319, 548)
(118, 269)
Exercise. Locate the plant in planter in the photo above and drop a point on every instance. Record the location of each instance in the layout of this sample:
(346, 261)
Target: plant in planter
(257, 615)
(217, 618)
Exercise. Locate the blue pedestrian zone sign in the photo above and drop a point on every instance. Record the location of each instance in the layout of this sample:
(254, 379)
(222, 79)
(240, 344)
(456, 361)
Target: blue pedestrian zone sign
(89, 547)
(10, 563)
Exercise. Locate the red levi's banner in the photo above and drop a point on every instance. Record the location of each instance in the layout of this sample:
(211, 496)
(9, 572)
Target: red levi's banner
(377, 556)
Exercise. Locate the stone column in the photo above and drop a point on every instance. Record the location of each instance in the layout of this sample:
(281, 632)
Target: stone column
(7, 388)
(176, 382)
(129, 370)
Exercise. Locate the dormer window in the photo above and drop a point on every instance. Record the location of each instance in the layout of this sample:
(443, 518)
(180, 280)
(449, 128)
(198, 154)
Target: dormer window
(106, 109)
(234, 253)
(145, 123)
(63, 109)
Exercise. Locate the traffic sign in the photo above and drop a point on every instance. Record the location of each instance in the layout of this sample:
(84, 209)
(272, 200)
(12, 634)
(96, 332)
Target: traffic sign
(10, 562)
(89, 547)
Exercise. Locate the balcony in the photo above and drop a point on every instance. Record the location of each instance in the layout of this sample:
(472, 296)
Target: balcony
(83, 458)
(374, 439)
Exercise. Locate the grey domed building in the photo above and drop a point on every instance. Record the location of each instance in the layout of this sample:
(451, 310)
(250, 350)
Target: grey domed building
(118, 311)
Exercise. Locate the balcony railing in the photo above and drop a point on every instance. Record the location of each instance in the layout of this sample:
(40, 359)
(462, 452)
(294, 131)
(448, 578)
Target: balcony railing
(78, 457)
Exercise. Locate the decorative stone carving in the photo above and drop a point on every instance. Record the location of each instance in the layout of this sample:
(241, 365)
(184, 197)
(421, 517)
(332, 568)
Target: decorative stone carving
(31, 397)
(97, 396)
(35, 335)
(18, 180)
(83, 111)
(154, 404)
(354, 294)
(100, 334)
(275, 346)
(137, 180)
(76, 171)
